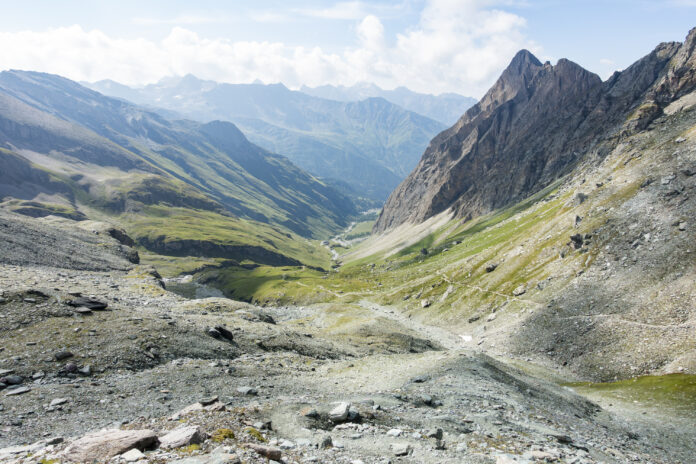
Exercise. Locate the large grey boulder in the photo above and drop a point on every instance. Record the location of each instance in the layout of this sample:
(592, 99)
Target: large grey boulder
(182, 436)
(105, 444)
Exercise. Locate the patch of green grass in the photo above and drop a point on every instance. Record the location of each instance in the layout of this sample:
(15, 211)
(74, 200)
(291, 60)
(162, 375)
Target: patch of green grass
(361, 229)
(172, 266)
(221, 435)
(207, 232)
(190, 449)
(39, 209)
(255, 433)
(675, 392)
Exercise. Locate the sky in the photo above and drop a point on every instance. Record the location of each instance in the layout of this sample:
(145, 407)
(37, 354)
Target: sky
(430, 46)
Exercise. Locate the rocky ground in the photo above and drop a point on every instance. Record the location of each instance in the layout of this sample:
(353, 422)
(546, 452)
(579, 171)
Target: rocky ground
(91, 341)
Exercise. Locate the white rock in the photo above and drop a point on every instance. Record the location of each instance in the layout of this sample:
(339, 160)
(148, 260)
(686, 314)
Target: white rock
(182, 436)
(286, 444)
(58, 402)
(395, 432)
(521, 290)
(340, 412)
(133, 455)
(401, 449)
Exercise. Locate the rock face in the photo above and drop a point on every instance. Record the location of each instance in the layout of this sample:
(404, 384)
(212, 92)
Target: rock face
(532, 127)
(103, 445)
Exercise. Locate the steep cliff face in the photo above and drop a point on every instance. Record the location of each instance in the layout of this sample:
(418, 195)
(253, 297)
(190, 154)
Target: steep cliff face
(532, 127)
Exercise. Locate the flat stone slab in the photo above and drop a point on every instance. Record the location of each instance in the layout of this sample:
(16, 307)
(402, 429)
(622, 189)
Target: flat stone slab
(182, 436)
(105, 444)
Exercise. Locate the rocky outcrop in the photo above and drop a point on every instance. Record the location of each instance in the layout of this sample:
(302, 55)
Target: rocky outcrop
(532, 127)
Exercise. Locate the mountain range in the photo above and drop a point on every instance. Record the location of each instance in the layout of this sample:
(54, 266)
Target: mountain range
(179, 187)
(446, 108)
(367, 146)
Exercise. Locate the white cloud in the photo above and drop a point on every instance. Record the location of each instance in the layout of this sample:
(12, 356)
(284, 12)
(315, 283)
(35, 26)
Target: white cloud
(458, 45)
(341, 10)
(371, 33)
(179, 20)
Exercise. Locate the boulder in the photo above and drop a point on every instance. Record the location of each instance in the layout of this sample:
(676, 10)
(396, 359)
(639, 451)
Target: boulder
(340, 412)
(274, 454)
(17, 391)
(224, 332)
(133, 455)
(215, 406)
(90, 303)
(182, 436)
(325, 442)
(105, 444)
(12, 380)
(247, 391)
(401, 449)
(214, 458)
(58, 402)
(521, 290)
(61, 355)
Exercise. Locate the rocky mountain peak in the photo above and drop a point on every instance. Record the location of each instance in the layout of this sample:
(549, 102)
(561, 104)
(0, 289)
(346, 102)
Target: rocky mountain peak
(522, 60)
(531, 128)
(519, 73)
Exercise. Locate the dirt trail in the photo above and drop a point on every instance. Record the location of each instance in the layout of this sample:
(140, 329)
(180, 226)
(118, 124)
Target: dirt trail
(444, 337)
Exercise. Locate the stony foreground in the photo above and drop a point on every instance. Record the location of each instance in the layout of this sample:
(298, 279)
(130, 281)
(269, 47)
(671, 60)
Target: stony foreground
(100, 363)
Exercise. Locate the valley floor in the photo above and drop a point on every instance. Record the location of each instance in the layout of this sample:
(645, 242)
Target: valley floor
(274, 376)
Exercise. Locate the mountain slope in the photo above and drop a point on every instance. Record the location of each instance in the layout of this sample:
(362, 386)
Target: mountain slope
(531, 128)
(180, 188)
(591, 271)
(370, 145)
(446, 108)
(56, 114)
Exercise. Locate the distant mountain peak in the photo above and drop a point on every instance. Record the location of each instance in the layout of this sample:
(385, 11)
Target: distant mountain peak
(522, 60)
(445, 108)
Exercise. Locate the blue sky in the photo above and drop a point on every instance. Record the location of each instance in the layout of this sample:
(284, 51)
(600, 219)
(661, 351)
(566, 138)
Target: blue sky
(430, 46)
